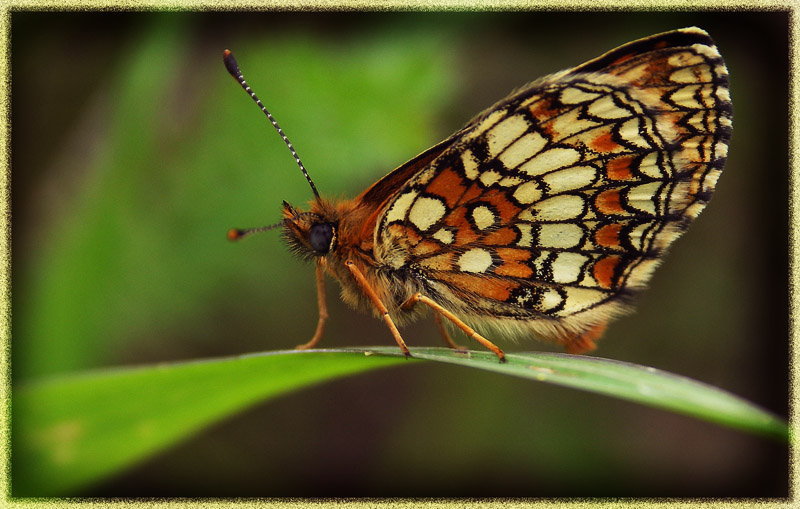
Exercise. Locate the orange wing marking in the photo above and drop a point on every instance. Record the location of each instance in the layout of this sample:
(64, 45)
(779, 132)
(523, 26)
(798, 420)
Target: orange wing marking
(608, 235)
(604, 143)
(448, 185)
(511, 263)
(604, 270)
(608, 202)
(619, 168)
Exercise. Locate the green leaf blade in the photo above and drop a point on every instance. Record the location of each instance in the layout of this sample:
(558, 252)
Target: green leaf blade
(77, 429)
(640, 384)
(73, 430)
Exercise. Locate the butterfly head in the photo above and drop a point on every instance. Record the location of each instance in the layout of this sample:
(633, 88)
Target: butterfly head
(309, 234)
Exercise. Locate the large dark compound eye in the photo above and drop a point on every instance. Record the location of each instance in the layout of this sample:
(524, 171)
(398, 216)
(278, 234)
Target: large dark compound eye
(320, 237)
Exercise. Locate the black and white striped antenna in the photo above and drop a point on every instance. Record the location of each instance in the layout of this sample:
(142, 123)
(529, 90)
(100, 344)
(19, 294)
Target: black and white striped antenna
(233, 69)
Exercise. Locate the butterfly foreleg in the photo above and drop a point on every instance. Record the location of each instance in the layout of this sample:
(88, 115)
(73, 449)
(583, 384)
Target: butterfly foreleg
(323, 309)
(376, 301)
(469, 331)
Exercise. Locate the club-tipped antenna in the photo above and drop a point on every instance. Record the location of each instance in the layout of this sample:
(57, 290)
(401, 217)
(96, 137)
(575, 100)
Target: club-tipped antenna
(240, 233)
(233, 69)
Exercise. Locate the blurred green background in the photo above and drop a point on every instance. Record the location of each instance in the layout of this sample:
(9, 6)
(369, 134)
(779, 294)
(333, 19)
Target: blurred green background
(133, 152)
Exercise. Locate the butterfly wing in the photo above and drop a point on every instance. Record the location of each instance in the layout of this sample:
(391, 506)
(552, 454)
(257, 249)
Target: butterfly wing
(552, 207)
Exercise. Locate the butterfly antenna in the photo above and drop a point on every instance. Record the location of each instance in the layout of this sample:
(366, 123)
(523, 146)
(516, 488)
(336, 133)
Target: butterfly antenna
(233, 69)
(240, 233)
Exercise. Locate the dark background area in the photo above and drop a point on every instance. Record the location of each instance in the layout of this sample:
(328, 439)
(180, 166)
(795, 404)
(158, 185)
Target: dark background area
(119, 256)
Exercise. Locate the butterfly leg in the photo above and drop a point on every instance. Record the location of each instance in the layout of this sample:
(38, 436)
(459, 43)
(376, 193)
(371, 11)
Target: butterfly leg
(469, 331)
(376, 301)
(323, 310)
(584, 342)
(437, 318)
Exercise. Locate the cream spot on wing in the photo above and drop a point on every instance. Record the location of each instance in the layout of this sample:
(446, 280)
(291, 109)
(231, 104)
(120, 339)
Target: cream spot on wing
(542, 262)
(572, 95)
(505, 133)
(642, 197)
(525, 235)
(475, 260)
(483, 217)
(581, 298)
(486, 123)
(470, 164)
(697, 120)
(711, 179)
(723, 95)
(557, 208)
(510, 181)
(649, 166)
(570, 178)
(522, 149)
(489, 177)
(444, 236)
(636, 235)
(572, 122)
(550, 299)
(707, 96)
(555, 235)
(551, 159)
(691, 75)
(566, 267)
(720, 149)
(687, 97)
(528, 192)
(400, 207)
(629, 131)
(685, 58)
(606, 108)
(425, 212)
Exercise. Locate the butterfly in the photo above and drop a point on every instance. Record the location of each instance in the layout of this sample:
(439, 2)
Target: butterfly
(545, 214)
